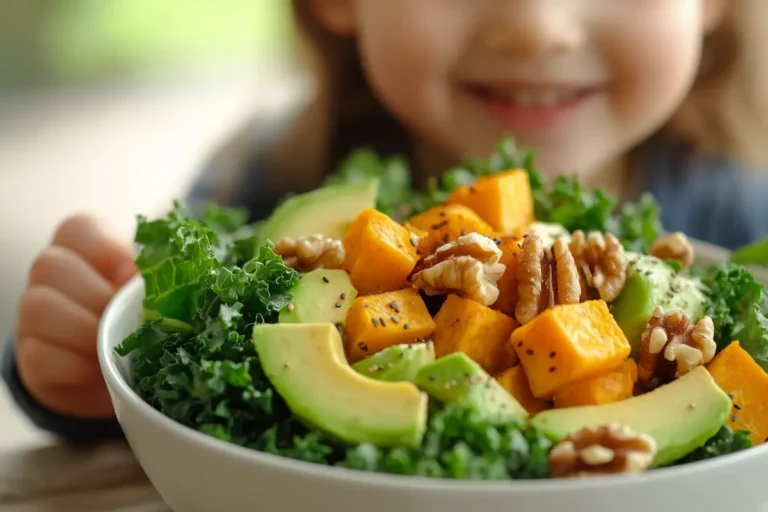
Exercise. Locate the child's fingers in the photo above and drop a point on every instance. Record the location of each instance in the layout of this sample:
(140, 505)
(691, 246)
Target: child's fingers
(65, 271)
(88, 237)
(46, 313)
(62, 380)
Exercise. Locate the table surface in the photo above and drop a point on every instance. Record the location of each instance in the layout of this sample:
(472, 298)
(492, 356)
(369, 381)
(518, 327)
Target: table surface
(66, 478)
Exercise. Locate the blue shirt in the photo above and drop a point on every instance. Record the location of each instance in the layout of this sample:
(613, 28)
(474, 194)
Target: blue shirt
(707, 197)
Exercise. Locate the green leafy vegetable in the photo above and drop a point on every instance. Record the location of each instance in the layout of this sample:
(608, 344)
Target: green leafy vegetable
(724, 442)
(206, 375)
(752, 254)
(462, 444)
(738, 306)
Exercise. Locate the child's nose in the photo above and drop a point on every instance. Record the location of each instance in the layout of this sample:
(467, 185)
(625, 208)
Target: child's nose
(529, 28)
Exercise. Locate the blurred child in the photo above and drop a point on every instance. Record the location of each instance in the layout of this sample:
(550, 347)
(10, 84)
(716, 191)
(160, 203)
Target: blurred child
(659, 95)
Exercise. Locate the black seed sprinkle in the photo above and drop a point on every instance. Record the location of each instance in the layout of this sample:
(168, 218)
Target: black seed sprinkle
(443, 214)
(734, 418)
(463, 231)
(551, 369)
(497, 240)
(520, 344)
(338, 304)
(406, 326)
(439, 225)
(529, 351)
(432, 378)
(737, 407)
(365, 304)
(343, 296)
(413, 242)
(382, 322)
(394, 307)
(730, 395)
(552, 354)
(326, 280)
(394, 320)
(375, 322)
(363, 346)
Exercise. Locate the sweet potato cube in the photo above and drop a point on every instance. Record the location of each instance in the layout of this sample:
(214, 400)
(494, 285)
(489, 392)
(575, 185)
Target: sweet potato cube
(510, 257)
(746, 382)
(568, 343)
(503, 200)
(376, 322)
(380, 253)
(516, 383)
(612, 386)
(445, 224)
(464, 325)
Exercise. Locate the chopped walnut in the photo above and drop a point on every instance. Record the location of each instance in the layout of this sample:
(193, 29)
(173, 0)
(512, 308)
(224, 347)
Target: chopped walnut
(545, 278)
(671, 347)
(468, 267)
(601, 262)
(310, 252)
(599, 450)
(674, 246)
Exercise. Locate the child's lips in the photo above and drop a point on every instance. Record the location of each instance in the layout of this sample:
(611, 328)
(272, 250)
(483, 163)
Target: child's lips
(532, 109)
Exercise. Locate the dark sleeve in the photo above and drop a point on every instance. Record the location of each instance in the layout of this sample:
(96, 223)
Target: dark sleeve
(71, 429)
(708, 197)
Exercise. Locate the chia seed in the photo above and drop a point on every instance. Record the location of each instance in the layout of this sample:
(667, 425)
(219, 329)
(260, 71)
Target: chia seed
(551, 369)
(382, 322)
(363, 346)
(394, 320)
(338, 304)
(737, 407)
(343, 296)
(529, 351)
(406, 326)
(375, 322)
(326, 280)
(552, 354)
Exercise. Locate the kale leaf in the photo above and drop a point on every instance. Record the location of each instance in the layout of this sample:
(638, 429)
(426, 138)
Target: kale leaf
(193, 359)
(724, 442)
(460, 443)
(738, 306)
(755, 253)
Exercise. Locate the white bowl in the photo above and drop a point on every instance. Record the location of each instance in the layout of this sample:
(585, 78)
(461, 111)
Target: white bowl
(234, 479)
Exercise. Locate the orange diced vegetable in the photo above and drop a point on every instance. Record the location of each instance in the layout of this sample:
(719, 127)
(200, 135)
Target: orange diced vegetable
(568, 343)
(446, 224)
(464, 325)
(516, 383)
(504, 200)
(510, 257)
(380, 253)
(746, 382)
(608, 387)
(376, 322)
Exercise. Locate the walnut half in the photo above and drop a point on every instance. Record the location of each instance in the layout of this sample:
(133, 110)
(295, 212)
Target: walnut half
(545, 278)
(674, 246)
(671, 347)
(605, 449)
(601, 262)
(468, 267)
(311, 252)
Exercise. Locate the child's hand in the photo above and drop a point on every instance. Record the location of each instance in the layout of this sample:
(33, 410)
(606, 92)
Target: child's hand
(70, 284)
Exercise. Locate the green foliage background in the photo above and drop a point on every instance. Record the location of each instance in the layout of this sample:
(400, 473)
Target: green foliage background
(45, 41)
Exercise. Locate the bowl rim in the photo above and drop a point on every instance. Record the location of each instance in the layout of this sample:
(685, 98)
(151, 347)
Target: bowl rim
(126, 393)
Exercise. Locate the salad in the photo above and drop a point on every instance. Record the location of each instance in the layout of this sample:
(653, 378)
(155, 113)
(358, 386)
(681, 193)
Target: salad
(490, 327)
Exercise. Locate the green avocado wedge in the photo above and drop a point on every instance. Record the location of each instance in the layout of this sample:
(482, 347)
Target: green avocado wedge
(307, 366)
(323, 295)
(680, 416)
(456, 378)
(398, 362)
(328, 211)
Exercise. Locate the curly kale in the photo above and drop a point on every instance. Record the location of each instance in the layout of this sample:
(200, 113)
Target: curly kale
(724, 442)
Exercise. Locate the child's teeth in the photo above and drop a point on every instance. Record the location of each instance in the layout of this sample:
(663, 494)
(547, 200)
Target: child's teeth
(528, 98)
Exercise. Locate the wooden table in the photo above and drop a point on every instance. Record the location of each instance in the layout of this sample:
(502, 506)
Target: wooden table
(65, 478)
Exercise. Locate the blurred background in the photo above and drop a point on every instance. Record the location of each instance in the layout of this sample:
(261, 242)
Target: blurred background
(112, 106)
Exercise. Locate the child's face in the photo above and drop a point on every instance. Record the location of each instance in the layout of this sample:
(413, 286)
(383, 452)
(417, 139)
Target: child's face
(579, 81)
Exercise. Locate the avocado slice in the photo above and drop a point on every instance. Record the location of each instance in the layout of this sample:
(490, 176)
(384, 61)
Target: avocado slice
(651, 283)
(681, 416)
(323, 295)
(328, 211)
(456, 378)
(306, 365)
(398, 362)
